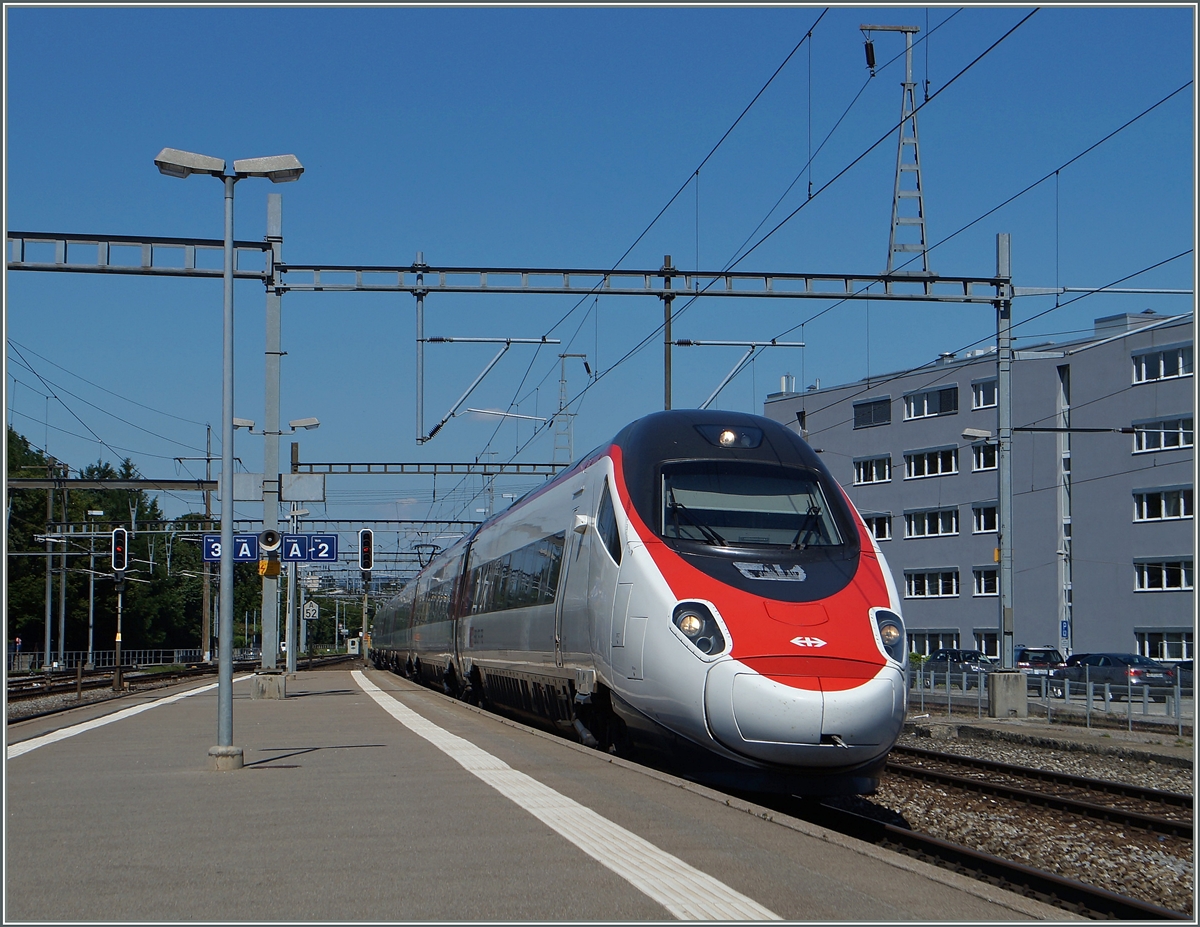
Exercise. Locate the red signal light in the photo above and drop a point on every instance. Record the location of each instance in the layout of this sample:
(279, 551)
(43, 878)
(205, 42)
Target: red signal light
(120, 550)
(366, 549)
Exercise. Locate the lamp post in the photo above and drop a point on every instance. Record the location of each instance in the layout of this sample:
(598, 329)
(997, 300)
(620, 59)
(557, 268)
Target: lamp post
(91, 513)
(290, 637)
(279, 169)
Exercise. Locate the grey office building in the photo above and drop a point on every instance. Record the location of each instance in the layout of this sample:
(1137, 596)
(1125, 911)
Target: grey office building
(1103, 534)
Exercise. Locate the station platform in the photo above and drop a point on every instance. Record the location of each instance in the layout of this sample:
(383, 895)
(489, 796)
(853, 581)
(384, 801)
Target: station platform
(367, 798)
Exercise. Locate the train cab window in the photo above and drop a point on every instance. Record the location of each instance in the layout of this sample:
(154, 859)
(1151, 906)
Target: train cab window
(606, 524)
(739, 504)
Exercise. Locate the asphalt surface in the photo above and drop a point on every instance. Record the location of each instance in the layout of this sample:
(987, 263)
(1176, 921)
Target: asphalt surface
(344, 813)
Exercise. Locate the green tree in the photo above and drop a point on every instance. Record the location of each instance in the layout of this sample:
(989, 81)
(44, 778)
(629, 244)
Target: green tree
(163, 596)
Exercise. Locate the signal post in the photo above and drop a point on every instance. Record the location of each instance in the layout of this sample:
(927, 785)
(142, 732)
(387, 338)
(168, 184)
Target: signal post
(120, 563)
(269, 681)
(366, 562)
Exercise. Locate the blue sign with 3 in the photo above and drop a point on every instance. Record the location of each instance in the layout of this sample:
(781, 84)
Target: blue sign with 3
(245, 548)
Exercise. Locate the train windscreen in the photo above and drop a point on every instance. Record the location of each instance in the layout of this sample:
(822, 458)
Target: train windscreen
(743, 504)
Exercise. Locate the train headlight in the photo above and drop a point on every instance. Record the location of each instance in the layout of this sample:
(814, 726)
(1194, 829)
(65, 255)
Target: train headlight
(699, 627)
(891, 633)
(727, 437)
(691, 624)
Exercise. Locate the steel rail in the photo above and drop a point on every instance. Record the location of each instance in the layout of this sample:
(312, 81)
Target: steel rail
(1153, 823)
(1122, 789)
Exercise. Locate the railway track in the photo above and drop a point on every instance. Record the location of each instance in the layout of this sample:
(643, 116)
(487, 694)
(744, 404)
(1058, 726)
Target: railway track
(1077, 897)
(32, 687)
(1159, 812)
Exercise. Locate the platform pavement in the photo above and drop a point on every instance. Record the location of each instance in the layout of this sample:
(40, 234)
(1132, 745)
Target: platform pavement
(343, 813)
(1157, 740)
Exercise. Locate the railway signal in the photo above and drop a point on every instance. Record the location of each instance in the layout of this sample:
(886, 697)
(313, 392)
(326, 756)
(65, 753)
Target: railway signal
(366, 549)
(120, 550)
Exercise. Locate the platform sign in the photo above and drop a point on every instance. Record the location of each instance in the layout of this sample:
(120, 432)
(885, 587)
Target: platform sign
(245, 548)
(294, 548)
(323, 548)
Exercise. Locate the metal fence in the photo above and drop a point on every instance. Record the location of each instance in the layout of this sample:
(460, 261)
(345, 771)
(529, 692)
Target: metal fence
(33, 661)
(966, 693)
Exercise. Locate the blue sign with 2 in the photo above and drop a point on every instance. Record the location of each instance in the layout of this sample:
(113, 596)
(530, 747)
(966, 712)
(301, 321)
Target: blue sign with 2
(323, 548)
(319, 548)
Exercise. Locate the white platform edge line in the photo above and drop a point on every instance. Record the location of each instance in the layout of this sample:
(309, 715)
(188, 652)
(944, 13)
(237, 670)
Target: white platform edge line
(27, 746)
(686, 892)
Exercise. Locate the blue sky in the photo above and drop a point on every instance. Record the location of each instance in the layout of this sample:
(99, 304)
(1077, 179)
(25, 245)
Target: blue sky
(552, 138)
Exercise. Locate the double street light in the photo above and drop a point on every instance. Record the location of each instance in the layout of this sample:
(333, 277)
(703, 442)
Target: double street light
(278, 169)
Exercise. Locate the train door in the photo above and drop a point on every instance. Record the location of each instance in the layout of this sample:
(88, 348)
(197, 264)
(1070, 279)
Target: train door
(603, 593)
(570, 613)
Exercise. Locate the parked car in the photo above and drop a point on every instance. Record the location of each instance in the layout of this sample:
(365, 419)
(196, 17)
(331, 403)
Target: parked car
(1035, 662)
(973, 663)
(1120, 670)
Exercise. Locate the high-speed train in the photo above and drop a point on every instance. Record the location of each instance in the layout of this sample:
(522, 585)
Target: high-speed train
(699, 591)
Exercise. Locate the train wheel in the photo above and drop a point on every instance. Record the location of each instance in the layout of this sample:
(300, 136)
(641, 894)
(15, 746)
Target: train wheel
(473, 693)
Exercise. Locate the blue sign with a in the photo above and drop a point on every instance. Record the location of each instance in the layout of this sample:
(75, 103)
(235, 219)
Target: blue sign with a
(323, 548)
(298, 548)
(294, 548)
(245, 548)
(1066, 630)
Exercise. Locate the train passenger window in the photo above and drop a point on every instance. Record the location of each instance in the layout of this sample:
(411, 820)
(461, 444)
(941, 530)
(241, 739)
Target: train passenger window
(606, 524)
(736, 504)
(521, 578)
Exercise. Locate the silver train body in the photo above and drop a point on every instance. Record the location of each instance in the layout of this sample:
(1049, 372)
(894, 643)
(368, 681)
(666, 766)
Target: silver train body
(698, 592)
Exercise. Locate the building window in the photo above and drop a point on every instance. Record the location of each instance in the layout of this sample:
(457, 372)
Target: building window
(1163, 575)
(988, 642)
(880, 526)
(932, 523)
(1166, 644)
(936, 584)
(872, 412)
(1163, 435)
(983, 394)
(983, 519)
(932, 402)
(1162, 504)
(983, 457)
(1166, 364)
(930, 463)
(926, 642)
(873, 470)
(986, 582)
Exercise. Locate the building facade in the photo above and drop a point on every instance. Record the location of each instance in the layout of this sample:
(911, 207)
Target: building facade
(1103, 527)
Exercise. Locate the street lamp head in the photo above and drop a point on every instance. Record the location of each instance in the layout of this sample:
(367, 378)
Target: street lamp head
(277, 168)
(243, 423)
(176, 163)
(307, 423)
(975, 434)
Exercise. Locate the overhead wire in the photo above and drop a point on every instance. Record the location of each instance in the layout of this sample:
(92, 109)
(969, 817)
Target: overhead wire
(734, 262)
(107, 412)
(694, 174)
(102, 388)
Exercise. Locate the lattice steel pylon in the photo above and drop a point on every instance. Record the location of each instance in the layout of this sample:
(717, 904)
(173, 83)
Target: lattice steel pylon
(909, 190)
(564, 438)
